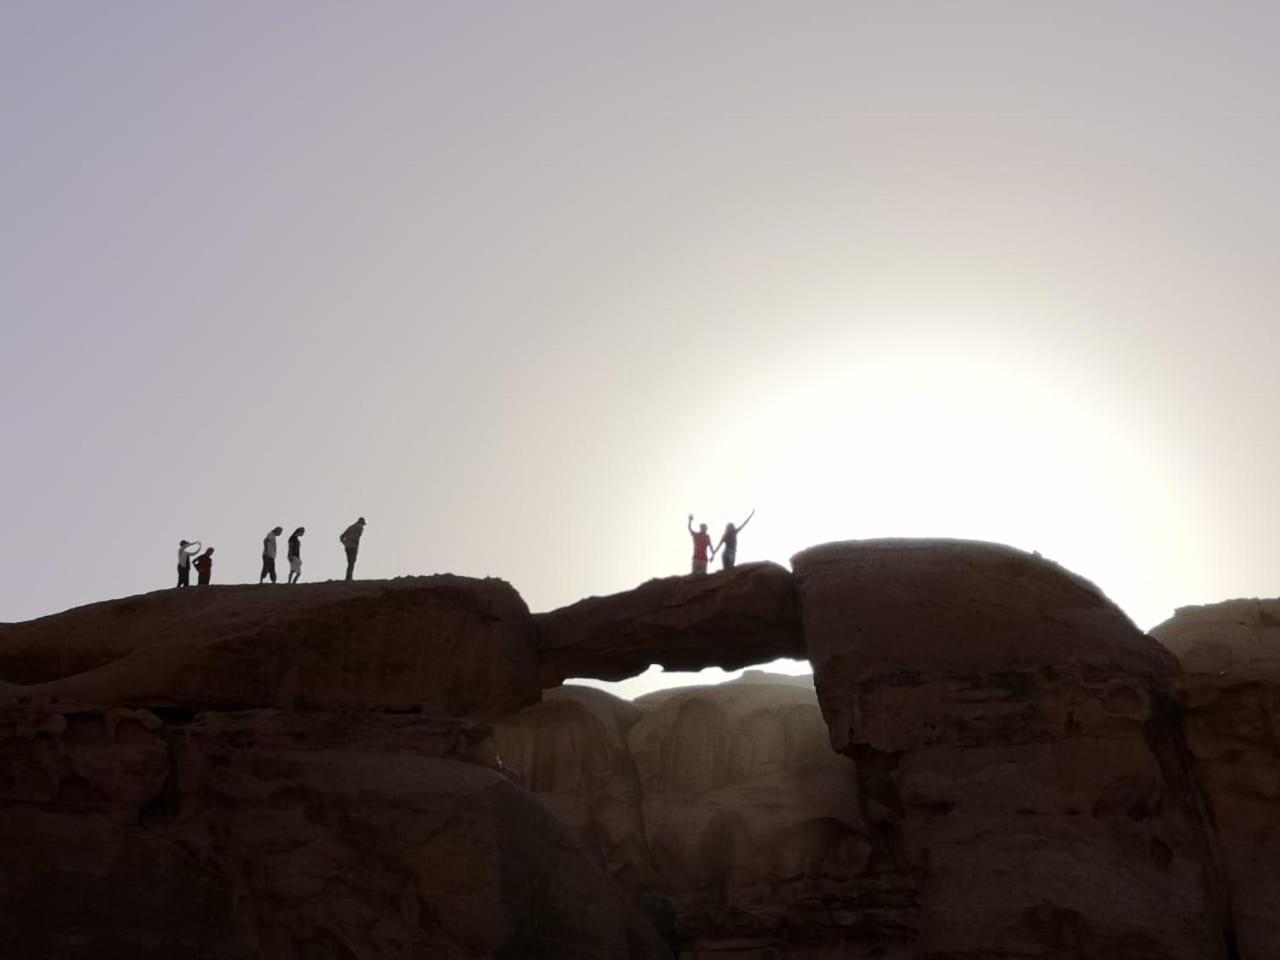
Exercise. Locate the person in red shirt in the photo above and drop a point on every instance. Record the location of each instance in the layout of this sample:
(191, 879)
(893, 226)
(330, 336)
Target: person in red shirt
(701, 546)
(204, 567)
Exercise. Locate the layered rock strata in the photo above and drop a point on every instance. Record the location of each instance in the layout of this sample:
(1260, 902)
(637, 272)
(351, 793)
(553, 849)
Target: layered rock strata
(1231, 692)
(1016, 756)
(731, 619)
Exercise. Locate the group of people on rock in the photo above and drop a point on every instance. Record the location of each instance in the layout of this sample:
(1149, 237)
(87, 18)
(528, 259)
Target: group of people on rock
(189, 555)
(728, 540)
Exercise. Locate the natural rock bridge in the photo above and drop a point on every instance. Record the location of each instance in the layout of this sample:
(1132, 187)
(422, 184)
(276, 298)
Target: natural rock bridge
(373, 770)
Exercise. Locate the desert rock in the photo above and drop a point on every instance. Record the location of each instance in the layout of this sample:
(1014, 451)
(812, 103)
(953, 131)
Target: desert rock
(1014, 749)
(1231, 692)
(447, 645)
(730, 619)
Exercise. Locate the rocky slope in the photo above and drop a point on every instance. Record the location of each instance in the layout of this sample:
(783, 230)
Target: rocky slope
(995, 764)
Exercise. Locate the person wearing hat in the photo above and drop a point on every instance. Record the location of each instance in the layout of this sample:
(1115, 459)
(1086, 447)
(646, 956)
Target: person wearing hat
(186, 550)
(351, 541)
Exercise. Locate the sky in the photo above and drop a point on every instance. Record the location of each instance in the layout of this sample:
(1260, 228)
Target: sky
(525, 284)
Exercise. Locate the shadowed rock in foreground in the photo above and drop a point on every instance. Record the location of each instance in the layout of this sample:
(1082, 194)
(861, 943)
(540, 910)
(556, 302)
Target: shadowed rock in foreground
(730, 619)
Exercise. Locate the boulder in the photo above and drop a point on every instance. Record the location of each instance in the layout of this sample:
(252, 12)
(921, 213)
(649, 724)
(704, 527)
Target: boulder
(445, 645)
(730, 619)
(288, 835)
(1017, 753)
(1231, 694)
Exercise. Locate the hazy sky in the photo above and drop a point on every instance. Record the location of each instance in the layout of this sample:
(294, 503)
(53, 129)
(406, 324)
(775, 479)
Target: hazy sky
(524, 284)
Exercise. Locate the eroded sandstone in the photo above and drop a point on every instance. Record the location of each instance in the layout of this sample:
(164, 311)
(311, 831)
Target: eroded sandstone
(1015, 753)
(446, 645)
(731, 619)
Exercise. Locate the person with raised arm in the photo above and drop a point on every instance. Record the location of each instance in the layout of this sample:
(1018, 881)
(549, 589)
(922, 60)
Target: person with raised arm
(729, 540)
(186, 550)
(701, 545)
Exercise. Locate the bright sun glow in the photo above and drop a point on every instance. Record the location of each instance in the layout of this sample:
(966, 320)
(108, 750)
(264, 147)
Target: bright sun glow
(954, 441)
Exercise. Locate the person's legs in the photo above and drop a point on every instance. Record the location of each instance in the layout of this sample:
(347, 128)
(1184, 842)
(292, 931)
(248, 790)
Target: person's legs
(295, 569)
(184, 574)
(266, 568)
(202, 580)
(699, 564)
(730, 558)
(351, 561)
(271, 568)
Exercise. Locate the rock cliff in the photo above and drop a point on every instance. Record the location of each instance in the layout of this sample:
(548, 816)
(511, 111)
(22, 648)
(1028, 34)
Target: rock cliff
(992, 762)
(1231, 694)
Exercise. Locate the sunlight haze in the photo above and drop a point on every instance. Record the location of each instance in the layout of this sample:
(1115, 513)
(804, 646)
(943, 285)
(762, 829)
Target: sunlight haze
(526, 284)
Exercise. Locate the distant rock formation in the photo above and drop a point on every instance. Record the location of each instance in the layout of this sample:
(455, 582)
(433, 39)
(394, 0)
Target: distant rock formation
(373, 771)
(1231, 694)
(734, 619)
(722, 808)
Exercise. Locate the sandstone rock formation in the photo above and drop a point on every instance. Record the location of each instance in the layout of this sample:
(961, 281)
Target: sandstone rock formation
(262, 834)
(723, 809)
(446, 645)
(340, 771)
(732, 619)
(1231, 692)
(1015, 754)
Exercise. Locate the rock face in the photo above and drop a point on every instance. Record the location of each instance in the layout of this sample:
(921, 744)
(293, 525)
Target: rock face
(447, 645)
(723, 809)
(1231, 692)
(1016, 758)
(261, 834)
(732, 619)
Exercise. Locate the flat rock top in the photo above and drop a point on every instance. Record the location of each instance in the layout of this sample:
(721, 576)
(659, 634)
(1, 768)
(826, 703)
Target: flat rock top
(1235, 638)
(961, 606)
(83, 638)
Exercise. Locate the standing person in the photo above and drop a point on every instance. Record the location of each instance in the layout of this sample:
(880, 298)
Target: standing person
(701, 544)
(729, 540)
(204, 567)
(186, 550)
(269, 554)
(295, 554)
(351, 540)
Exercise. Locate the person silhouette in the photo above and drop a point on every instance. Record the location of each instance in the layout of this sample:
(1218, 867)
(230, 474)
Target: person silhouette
(269, 554)
(701, 544)
(351, 541)
(186, 550)
(729, 540)
(295, 554)
(204, 567)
